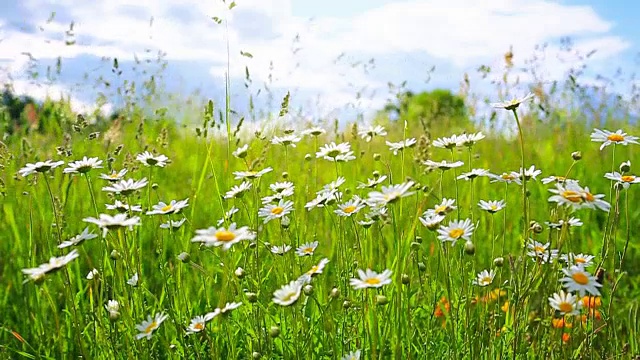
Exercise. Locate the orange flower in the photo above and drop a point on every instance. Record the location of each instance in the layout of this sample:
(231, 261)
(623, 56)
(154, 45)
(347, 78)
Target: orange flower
(566, 337)
(591, 302)
(505, 307)
(593, 314)
(561, 323)
(443, 307)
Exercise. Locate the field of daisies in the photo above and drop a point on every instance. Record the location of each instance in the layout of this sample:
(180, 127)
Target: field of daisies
(368, 242)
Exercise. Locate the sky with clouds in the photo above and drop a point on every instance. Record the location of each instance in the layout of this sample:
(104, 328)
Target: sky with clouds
(331, 54)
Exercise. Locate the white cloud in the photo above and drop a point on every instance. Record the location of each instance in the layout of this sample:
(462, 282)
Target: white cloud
(42, 92)
(460, 33)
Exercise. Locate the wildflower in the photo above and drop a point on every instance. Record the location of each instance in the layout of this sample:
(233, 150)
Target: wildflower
(83, 166)
(223, 237)
(354, 355)
(148, 159)
(401, 145)
(314, 131)
(126, 187)
(371, 183)
(591, 302)
(513, 103)
(573, 195)
(113, 308)
(485, 278)
(350, 207)
(93, 273)
(40, 167)
(307, 249)
(369, 279)
(114, 176)
(174, 207)
(565, 303)
(122, 207)
(317, 269)
(133, 281)
(389, 194)
(442, 308)
(230, 307)
(287, 140)
(607, 138)
(148, 326)
(448, 142)
(541, 252)
(78, 239)
(625, 180)
(54, 264)
(251, 174)
(445, 207)
(470, 139)
(227, 215)
(276, 211)
(442, 165)
(571, 222)
(280, 250)
(506, 178)
(431, 221)
(282, 187)
(241, 152)
(557, 179)
(238, 190)
(456, 230)
(473, 174)
(492, 206)
(530, 173)
(369, 133)
(173, 224)
(561, 323)
(333, 152)
(199, 323)
(578, 279)
(287, 294)
(108, 222)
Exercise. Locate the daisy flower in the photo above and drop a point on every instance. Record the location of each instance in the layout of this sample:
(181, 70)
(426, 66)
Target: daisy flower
(445, 207)
(371, 279)
(431, 221)
(285, 186)
(148, 326)
(513, 103)
(126, 187)
(230, 307)
(39, 167)
(83, 166)
(251, 174)
(119, 206)
(108, 222)
(228, 215)
(55, 263)
(573, 195)
(473, 174)
(287, 140)
(238, 190)
(76, 240)
(280, 250)
(350, 207)
(307, 249)
(369, 133)
(133, 281)
(287, 294)
(571, 222)
(241, 152)
(334, 185)
(456, 230)
(506, 178)
(530, 173)
(354, 355)
(114, 175)
(148, 159)
(317, 269)
(469, 140)
(314, 131)
(607, 138)
(173, 224)
(492, 206)
(223, 237)
(484, 278)
(625, 180)
(389, 194)
(199, 323)
(557, 179)
(333, 151)
(113, 308)
(400, 146)
(541, 252)
(565, 303)
(442, 165)
(174, 207)
(276, 211)
(583, 260)
(448, 142)
(371, 183)
(93, 273)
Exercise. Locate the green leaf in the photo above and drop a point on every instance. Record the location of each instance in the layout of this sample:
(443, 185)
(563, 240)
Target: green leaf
(246, 54)
(232, 5)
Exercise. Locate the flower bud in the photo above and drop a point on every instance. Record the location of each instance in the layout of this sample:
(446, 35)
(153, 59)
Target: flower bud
(469, 248)
(422, 266)
(405, 279)
(274, 331)
(576, 155)
(285, 175)
(376, 174)
(335, 293)
(381, 300)
(184, 257)
(308, 290)
(115, 255)
(536, 228)
(376, 157)
(498, 262)
(239, 272)
(252, 297)
(256, 355)
(308, 157)
(154, 186)
(625, 166)
(346, 304)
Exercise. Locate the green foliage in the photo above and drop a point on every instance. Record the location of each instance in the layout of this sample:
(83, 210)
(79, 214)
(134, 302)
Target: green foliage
(440, 107)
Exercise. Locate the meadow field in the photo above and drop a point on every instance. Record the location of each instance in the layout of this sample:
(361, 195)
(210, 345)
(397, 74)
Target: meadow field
(399, 237)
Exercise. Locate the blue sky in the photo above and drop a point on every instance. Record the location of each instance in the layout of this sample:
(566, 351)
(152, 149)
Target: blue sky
(327, 69)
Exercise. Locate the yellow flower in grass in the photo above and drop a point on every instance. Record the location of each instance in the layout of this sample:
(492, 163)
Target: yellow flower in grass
(148, 326)
(371, 279)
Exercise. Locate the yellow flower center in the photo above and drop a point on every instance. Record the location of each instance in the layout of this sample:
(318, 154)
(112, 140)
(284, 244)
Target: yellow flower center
(150, 327)
(615, 137)
(579, 260)
(441, 210)
(589, 197)
(628, 178)
(580, 278)
(508, 177)
(289, 296)
(225, 235)
(486, 280)
(313, 270)
(493, 208)
(307, 250)
(456, 233)
(114, 175)
(349, 209)
(539, 249)
(277, 210)
(572, 196)
(372, 281)
(199, 326)
(166, 208)
(565, 307)
(560, 178)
